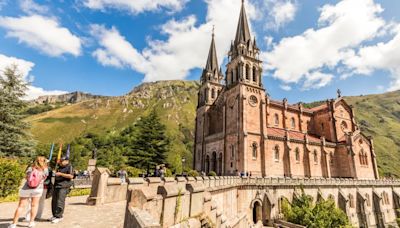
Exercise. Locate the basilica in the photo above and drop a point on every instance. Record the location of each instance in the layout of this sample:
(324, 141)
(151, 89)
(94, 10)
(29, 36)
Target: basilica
(240, 129)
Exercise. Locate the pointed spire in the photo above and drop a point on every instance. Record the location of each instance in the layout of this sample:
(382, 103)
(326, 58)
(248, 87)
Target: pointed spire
(212, 61)
(243, 30)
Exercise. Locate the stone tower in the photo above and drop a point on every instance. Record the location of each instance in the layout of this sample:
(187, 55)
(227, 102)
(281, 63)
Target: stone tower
(210, 89)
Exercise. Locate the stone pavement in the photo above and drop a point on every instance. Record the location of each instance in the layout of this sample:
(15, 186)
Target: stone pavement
(77, 215)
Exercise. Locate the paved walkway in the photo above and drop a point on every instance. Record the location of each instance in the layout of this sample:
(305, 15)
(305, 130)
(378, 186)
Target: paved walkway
(77, 215)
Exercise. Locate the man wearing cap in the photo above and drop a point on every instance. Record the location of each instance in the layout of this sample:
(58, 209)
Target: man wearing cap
(62, 185)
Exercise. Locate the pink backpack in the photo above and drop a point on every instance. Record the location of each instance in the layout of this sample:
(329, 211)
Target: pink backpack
(34, 178)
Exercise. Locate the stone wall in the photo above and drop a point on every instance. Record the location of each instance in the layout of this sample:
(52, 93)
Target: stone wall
(243, 202)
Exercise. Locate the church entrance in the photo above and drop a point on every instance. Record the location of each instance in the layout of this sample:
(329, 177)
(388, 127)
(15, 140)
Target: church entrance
(257, 212)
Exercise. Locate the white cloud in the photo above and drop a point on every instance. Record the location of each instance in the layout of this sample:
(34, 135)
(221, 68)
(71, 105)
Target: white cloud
(42, 33)
(280, 12)
(35, 92)
(185, 48)
(24, 68)
(342, 27)
(382, 56)
(115, 50)
(136, 6)
(286, 87)
(31, 7)
(316, 80)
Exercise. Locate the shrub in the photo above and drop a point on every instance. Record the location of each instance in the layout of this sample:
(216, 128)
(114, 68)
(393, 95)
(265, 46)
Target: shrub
(168, 173)
(133, 172)
(193, 173)
(11, 176)
(212, 174)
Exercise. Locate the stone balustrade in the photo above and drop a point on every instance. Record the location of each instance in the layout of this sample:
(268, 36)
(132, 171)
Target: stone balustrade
(228, 201)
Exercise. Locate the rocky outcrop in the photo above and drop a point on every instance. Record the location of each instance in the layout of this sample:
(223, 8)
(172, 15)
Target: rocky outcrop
(72, 98)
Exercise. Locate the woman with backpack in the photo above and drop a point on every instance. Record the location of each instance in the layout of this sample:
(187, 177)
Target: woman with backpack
(32, 189)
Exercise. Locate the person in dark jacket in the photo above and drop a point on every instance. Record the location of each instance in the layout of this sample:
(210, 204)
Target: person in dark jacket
(62, 184)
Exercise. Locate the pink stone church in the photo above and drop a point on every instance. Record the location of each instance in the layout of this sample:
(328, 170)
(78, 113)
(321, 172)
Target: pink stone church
(240, 129)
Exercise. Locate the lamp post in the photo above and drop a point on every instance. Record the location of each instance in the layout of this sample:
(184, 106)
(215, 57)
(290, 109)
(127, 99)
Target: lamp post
(183, 163)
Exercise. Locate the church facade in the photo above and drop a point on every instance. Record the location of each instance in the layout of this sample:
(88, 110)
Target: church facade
(240, 129)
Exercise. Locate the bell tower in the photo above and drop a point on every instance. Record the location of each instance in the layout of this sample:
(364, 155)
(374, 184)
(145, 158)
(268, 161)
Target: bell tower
(244, 65)
(211, 78)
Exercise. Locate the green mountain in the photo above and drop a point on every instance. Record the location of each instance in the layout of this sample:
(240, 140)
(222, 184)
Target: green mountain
(175, 101)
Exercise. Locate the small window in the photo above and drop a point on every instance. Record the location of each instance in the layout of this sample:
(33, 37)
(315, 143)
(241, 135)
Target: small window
(213, 93)
(254, 148)
(276, 119)
(276, 153)
(331, 158)
(254, 74)
(315, 157)
(231, 165)
(247, 72)
(322, 127)
(232, 76)
(293, 123)
(232, 151)
(297, 154)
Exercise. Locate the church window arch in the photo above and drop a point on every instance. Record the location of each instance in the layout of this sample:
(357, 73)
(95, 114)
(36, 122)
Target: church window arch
(232, 151)
(254, 150)
(276, 119)
(367, 199)
(297, 154)
(315, 156)
(351, 201)
(213, 93)
(255, 76)
(292, 123)
(247, 72)
(276, 153)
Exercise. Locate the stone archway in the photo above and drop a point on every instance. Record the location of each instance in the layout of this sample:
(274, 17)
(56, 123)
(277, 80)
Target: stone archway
(376, 199)
(360, 209)
(267, 210)
(207, 169)
(257, 211)
(342, 202)
(220, 164)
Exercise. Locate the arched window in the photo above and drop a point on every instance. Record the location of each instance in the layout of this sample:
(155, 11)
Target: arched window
(344, 126)
(255, 75)
(247, 73)
(232, 76)
(361, 157)
(232, 151)
(213, 93)
(254, 149)
(297, 154)
(315, 157)
(322, 127)
(238, 72)
(276, 153)
(331, 158)
(351, 201)
(276, 119)
(368, 201)
(293, 123)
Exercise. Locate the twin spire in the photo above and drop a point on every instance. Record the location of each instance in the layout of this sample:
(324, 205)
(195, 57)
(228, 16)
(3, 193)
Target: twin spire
(242, 36)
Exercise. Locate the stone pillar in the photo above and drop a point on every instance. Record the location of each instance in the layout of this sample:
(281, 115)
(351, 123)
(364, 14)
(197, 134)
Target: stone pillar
(174, 201)
(196, 190)
(99, 186)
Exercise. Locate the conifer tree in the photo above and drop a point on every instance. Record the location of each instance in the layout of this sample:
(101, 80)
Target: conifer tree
(14, 139)
(149, 143)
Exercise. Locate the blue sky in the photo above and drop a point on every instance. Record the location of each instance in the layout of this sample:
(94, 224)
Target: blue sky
(309, 48)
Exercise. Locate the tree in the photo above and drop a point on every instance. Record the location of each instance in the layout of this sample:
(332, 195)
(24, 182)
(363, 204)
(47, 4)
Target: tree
(149, 143)
(14, 139)
(323, 214)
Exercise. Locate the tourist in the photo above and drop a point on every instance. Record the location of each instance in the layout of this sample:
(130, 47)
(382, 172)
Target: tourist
(163, 170)
(46, 185)
(62, 185)
(32, 189)
(122, 174)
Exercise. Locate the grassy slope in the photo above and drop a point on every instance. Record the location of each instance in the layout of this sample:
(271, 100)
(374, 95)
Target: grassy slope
(377, 115)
